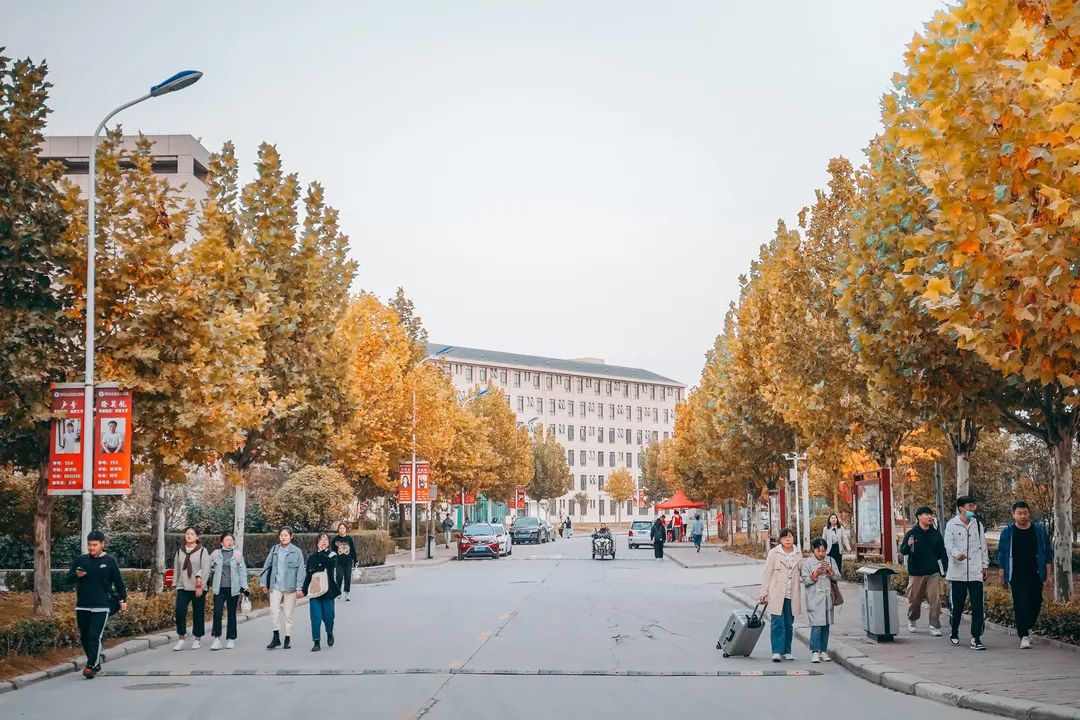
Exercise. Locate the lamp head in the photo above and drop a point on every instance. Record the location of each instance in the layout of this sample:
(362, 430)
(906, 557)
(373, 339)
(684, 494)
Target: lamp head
(179, 81)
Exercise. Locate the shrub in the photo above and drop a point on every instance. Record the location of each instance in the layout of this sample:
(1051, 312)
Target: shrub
(899, 580)
(1058, 620)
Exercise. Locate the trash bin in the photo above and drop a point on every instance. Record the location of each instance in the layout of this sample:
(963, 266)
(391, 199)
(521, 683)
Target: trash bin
(880, 614)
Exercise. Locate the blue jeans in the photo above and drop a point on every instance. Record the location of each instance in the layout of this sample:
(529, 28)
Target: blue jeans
(819, 638)
(322, 613)
(697, 540)
(781, 628)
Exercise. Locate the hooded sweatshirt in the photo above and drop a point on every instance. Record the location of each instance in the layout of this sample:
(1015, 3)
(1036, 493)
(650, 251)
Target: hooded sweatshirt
(929, 551)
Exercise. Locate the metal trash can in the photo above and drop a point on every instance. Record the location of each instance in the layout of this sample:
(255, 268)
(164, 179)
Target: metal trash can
(880, 613)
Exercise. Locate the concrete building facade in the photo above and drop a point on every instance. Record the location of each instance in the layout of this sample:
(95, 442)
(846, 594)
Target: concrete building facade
(603, 415)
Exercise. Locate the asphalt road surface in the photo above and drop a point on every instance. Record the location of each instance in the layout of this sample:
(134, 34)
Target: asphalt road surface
(545, 633)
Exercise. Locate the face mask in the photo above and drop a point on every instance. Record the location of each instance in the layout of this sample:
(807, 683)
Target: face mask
(970, 515)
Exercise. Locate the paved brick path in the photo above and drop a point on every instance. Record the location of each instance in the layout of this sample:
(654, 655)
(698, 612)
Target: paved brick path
(1046, 674)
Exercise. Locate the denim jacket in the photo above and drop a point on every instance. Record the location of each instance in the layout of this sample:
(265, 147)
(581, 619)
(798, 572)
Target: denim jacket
(283, 569)
(1043, 553)
(237, 572)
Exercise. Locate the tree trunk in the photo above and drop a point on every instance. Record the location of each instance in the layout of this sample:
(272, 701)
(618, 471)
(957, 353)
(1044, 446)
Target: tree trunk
(963, 444)
(1063, 520)
(240, 514)
(43, 604)
(157, 530)
(963, 469)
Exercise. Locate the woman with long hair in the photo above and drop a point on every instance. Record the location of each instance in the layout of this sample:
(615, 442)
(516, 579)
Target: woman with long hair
(837, 541)
(346, 559)
(228, 580)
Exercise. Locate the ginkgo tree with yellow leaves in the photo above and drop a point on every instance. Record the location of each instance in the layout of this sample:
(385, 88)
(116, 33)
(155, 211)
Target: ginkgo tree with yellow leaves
(987, 113)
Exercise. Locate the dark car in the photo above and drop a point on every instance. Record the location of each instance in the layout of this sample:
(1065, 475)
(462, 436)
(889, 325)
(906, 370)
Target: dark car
(529, 529)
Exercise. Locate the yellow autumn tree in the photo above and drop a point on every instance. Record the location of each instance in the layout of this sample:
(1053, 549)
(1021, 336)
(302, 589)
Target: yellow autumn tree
(620, 488)
(987, 112)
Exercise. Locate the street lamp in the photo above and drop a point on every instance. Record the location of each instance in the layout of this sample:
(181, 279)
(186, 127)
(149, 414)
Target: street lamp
(412, 515)
(802, 526)
(179, 81)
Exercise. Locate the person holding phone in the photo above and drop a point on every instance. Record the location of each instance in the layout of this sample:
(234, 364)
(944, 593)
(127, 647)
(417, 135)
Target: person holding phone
(819, 572)
(228, 580)
(321, 566)
(99, 593)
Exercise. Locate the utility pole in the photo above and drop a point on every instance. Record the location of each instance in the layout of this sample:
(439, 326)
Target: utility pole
(802, 512)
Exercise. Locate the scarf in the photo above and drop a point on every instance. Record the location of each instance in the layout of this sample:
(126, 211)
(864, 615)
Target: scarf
(187, 557)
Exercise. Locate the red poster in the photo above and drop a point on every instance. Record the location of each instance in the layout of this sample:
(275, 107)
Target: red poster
(65, 450)
(112, 440)
(405, 479)
(520, 499)
(470, 498)
(639, 498)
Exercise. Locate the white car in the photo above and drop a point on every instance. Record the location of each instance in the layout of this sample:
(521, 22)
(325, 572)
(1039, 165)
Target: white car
(640, 533)
(506, 545)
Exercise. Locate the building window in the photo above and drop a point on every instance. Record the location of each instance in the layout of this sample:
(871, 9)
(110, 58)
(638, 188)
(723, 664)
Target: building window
(665, 435)
(629, 410)
(611, 435)
(468, 374)
(652, 392)
(584, 479)
(580, 385)
(600, 482)
(570, 431)
(629, 437)
(521, 403)
(655, 436)
(629, 507)
(536, 381)
(570, 407)
(600, 459)
(643, 510)
(551, 407)
(571, 509)
(637, 391)
(607, 388)
(600, 410)
(592, 504)
(539, 406)
(597, 386)
(502, 376)
(483, 375)
(655, 415)
(638, 437)
(639, 414)
(581, 433)
(611, 411)
(641, 460)
(600, 435)
(581, 407)
(678, 394)
(581, 461)
(629, 461)
(570, 458)
(547, 382)
(626, 390)
(665, 414)
(517, 378)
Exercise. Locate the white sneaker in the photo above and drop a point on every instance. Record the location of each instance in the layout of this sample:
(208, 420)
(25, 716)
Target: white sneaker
(776, 657)
(230, 645)
(197, 644)
(179, 644)
(936, 632)
(216, 645)
(789, 656)
(1025, 643)
(911, 628)
(824, 657)
(815, 657)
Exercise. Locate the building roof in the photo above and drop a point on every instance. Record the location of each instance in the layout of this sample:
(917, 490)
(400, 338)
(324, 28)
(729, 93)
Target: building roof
(558, 365)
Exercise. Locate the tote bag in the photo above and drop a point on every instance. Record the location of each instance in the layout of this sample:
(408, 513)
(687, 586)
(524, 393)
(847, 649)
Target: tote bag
(319, 584)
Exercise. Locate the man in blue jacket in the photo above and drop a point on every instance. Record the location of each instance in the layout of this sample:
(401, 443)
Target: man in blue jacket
(1024, 555)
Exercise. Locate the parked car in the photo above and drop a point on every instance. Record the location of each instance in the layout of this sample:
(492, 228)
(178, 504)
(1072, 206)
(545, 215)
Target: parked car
(552, 533)
(529, 529)
(506, 545)
(639, 534)
(479, 540)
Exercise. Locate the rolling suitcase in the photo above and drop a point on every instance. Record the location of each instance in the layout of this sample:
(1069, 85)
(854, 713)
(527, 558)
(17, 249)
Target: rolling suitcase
(742, 631)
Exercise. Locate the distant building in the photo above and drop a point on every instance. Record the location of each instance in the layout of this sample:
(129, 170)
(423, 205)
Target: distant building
(179, 158)
(603, 415)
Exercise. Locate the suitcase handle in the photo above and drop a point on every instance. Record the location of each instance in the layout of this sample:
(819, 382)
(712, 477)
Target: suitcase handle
(755, 618)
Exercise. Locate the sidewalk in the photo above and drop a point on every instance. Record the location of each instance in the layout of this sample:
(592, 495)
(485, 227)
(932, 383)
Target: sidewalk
(440, 555)
(711, 556)
(1043, 682)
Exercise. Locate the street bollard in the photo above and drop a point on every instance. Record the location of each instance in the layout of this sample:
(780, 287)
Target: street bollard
(430, 543)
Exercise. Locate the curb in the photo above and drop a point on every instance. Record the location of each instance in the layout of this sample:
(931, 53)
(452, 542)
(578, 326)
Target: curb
(683, 565)
(128, 647)
(858, 663)
(425, 563)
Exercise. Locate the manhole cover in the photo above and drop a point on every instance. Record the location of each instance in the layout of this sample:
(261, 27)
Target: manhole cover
(156, 686)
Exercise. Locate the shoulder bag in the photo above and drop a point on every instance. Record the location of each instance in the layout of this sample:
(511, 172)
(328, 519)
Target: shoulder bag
(837, 596)
(319, 584)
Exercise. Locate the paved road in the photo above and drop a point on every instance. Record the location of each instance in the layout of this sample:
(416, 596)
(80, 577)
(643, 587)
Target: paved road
(548, 608)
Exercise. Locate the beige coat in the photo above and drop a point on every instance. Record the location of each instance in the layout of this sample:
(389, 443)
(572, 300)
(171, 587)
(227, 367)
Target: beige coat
(773, 582)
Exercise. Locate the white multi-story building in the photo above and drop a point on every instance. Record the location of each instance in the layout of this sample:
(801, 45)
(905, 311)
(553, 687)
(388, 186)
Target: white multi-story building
(603, 415)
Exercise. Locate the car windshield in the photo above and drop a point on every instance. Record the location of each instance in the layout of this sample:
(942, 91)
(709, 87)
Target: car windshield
(479, 529)
(526, 522)
(641, 524)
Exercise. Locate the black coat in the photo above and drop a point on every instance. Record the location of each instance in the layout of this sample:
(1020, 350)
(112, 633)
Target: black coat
(323, 560)
(658, 532)
(929, 550)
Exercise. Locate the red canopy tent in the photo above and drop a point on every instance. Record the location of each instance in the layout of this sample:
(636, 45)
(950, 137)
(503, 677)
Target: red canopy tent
(678, 501)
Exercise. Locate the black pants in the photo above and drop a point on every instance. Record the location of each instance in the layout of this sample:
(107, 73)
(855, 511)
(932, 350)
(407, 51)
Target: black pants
(961, 591)
(198, 613)
(225, 600)
(344, 572)
(91, 631)
(658, 548)
(1027, 596)
(835, 555)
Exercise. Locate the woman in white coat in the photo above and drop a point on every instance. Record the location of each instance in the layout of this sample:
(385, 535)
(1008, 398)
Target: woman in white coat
(780, 593)
(819, 572)
(837, 540)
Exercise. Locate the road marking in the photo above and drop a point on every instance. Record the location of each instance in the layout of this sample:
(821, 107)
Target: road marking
(338, 672)
(483, 637)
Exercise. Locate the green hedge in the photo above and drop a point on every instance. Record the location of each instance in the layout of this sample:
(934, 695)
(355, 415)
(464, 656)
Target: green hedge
(32, 636)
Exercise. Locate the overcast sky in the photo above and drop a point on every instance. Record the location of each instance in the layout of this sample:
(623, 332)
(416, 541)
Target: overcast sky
(563, 178)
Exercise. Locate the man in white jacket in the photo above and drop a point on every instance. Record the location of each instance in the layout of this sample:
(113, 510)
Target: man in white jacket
(965, 542)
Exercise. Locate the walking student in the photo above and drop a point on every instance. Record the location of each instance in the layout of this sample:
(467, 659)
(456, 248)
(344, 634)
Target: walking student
(925, 551)
(818, 575)
(191, 575)
(1024, 555)
(99, 593)
(780, 593)
(283, 576)
(448, 529)
(228, 581)
(569, 527)
(697, 530)
(658, 533)
(837, 540)
(345, 549)
(321, 587)
(965, 543)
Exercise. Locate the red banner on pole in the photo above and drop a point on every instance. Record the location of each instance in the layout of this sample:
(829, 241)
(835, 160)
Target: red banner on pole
(469, 499)
(112, 440)
(65, 449)
(405, 480)
(519, 500)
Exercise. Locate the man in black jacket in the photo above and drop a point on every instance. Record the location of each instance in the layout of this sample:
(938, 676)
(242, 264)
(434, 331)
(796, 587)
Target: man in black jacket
(99, 592)
(925, 550)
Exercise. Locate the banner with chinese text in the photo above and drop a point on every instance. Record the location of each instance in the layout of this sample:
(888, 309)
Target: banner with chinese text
(65, 447)
(112, 440)
(405, 481)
